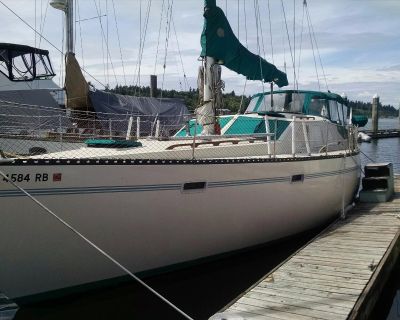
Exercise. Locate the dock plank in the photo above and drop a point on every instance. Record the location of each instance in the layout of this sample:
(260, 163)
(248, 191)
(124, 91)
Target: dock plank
(334, 275)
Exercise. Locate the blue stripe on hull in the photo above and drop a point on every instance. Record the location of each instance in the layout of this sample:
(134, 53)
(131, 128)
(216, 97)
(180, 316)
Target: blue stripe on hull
(164, 187)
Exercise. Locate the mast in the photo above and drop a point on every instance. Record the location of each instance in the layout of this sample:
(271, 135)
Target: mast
(67, 6)
(76, 86)
(208, 108)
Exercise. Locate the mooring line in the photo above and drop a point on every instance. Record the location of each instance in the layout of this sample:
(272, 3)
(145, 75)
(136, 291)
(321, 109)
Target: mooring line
(66, 224)
(366, 156)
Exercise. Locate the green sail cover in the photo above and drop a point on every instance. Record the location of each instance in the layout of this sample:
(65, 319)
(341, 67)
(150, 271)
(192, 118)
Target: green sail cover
(218, 41)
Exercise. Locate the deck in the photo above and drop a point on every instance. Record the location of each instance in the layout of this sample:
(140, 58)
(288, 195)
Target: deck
(337, 275)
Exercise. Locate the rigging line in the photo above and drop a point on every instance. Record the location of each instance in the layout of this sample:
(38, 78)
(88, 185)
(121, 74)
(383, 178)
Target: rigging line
(294, 43)
(93, 245)
(144, 38)
(300, 50)
(245, 82)
(316, 45)
(245, 21)
(107, 44)
(261, 29)
(32, 28)
(135, 74)
(107, 47)
(47, 40)
(238, 14)
(258, 47)
(80, 31)
(92, 18)
(119, 42)
(159, 34)
(312, 47)
(180, 55)
(102, 49)
(43, 22)
(290, 45)
(178, 72)
(35, 22)
(270, 32)
(242, 99)
(74, 22)
(168, 25)
(141, 47)
(284, 45)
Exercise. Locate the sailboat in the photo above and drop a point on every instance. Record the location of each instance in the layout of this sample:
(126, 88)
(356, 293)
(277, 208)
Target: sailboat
(220, 184)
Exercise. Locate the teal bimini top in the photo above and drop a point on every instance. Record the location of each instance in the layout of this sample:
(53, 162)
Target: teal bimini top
(314, 103)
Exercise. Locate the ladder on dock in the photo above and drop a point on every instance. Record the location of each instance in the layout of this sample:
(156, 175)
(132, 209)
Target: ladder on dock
(338, 275)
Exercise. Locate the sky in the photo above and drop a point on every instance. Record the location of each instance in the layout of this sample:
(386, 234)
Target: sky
(357, 48)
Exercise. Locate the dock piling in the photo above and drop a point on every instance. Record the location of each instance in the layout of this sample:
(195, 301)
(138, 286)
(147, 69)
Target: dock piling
(375, 113)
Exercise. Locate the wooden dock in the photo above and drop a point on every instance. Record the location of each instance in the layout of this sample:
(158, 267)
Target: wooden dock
(338, 275)
(380, 134)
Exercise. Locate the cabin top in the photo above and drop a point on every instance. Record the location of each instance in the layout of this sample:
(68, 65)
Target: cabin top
(323, 104)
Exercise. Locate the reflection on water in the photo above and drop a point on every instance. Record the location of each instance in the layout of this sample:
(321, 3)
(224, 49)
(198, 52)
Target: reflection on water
(394, 313)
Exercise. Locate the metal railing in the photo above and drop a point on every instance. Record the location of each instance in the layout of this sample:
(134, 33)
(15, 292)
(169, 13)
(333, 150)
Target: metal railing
(56, 134)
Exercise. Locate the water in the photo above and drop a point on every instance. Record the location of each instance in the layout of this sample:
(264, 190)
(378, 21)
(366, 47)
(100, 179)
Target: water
(387, 123)
(204, 289)
(200, 291)
(386, 150)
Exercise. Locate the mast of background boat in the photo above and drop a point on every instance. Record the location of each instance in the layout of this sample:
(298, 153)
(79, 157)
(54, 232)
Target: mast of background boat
(76, 86)
(67, 7)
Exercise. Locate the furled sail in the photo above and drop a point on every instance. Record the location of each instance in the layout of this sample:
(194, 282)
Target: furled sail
(218, 41)
(76, 86)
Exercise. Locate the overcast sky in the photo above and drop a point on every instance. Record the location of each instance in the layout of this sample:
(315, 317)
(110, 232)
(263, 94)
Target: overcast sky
(358, 41)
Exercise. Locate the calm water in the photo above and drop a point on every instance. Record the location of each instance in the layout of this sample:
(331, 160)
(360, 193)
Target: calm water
(386, 150)
(204, 289)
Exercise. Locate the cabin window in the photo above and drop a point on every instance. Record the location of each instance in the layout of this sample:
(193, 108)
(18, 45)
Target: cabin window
(279, 103)
(282, 102)
(296, 103)
(340, 108)
(253, 104)
(336, 112)
(318, 107)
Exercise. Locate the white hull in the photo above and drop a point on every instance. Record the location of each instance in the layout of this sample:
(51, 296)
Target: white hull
(140, 215)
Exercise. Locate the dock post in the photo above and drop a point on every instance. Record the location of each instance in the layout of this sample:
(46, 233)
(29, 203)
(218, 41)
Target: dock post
(137, 127)
(153, 86)
(375, 114)
(128, 132)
